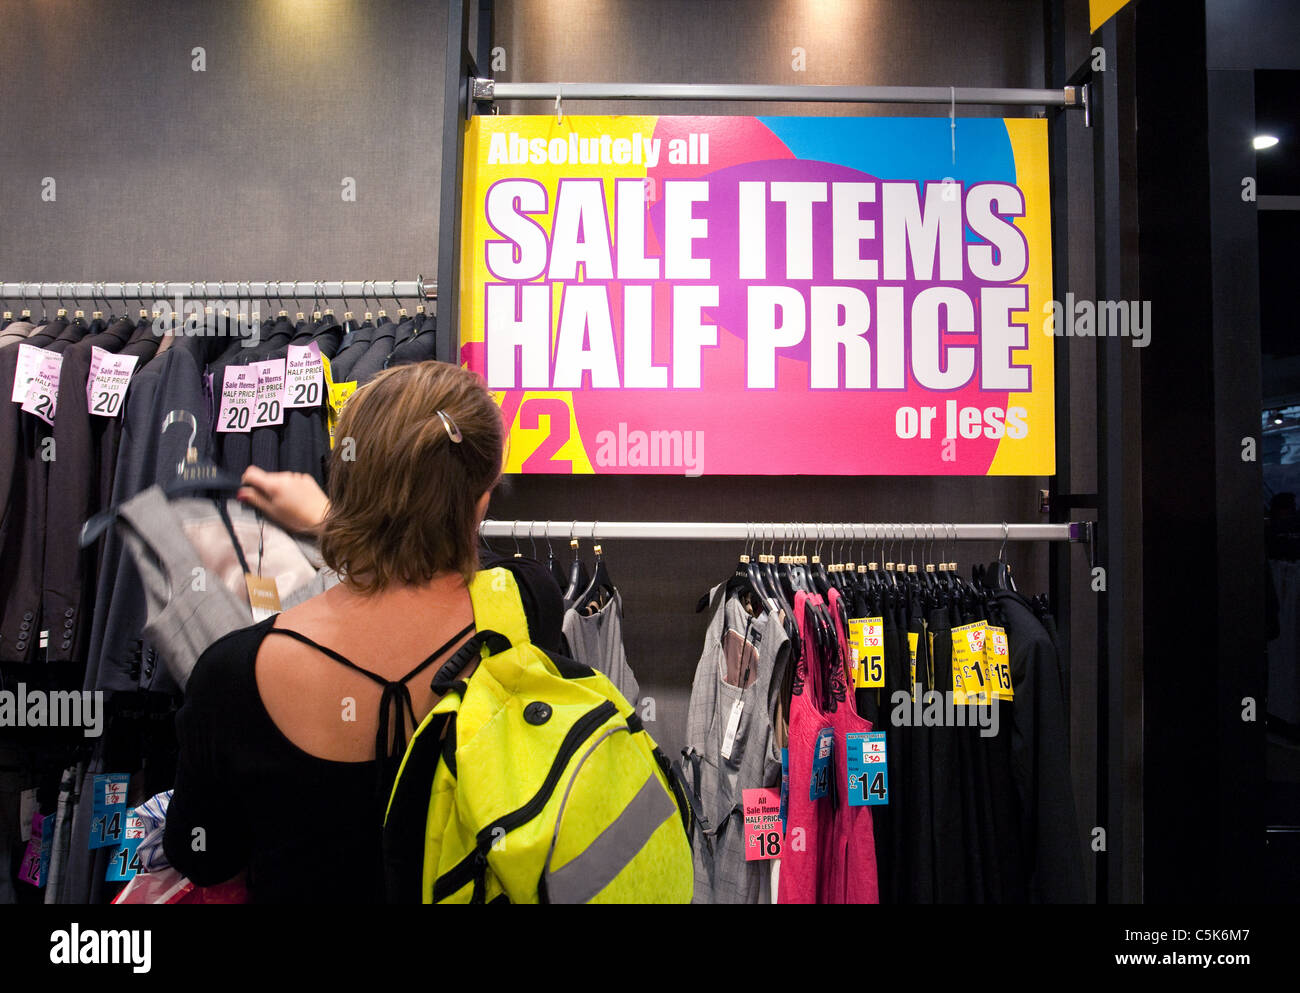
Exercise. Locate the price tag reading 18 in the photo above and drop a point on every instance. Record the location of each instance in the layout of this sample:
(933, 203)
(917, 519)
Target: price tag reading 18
(763, 828)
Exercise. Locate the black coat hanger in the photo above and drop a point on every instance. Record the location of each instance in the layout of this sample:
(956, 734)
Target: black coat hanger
(578, 577)
(600, 590)
(553, 564)
(192, 476)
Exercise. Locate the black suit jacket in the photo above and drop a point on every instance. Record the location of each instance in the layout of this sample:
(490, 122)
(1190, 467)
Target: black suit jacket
(22, 484)
(73, 496)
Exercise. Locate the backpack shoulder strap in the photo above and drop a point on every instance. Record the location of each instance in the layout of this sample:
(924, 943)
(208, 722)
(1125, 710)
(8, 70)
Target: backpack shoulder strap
(498, 605)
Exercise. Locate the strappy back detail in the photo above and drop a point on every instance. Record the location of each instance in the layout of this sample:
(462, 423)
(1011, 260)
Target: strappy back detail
(389, 747)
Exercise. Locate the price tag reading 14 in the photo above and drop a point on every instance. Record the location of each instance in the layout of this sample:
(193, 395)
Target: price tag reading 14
(868, 769)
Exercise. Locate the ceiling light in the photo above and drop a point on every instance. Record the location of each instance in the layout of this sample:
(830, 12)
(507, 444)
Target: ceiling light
(1265, 140)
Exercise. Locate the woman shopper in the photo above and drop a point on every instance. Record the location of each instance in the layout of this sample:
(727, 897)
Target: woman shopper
(292, 729)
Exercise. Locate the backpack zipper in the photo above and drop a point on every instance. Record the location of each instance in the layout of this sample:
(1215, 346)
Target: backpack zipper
(474, 864)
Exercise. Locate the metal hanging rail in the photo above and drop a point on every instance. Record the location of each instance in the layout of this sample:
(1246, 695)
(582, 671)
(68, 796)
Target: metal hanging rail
(1076, 531)
(325, 289)
(488, 90)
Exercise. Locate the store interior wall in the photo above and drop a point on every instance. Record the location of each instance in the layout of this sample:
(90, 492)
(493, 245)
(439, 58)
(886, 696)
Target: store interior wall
(236, 172)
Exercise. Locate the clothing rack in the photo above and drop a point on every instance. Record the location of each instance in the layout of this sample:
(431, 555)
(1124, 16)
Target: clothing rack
(326, 289)
(1074, 531)
(488, 90)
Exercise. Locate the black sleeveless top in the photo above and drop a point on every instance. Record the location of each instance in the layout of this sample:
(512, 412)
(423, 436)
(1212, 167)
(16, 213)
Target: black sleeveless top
(307, 829)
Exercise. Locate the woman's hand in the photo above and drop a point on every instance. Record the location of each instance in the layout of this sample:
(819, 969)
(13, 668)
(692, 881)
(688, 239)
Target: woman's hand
(292, 499)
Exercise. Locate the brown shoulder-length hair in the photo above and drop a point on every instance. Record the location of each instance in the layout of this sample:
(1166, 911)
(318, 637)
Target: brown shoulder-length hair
(403, 493)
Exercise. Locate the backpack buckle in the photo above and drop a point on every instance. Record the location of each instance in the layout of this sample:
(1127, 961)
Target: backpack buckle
(446, 676)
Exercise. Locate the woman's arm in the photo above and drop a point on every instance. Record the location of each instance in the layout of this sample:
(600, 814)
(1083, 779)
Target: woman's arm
(292, 499)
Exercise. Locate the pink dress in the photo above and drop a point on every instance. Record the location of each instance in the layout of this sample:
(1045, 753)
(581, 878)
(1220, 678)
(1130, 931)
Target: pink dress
(802, 860)
(851, 852)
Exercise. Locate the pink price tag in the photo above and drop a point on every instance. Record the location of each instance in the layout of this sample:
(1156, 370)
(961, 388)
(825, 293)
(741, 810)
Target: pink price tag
(96, 358)
(268, 406)
(30, 870)
(238, 396)
(763, 836)
(110, 374)
(43, 390)
(304, 377)
(29, 360)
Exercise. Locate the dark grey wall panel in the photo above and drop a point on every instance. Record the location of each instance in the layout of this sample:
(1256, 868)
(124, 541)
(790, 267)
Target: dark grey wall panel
(235, 172)
(867, 42)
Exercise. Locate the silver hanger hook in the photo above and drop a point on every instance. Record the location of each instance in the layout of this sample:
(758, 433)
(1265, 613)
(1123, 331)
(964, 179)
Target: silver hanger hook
(1006, 533)
(550, 549)
(177, 417)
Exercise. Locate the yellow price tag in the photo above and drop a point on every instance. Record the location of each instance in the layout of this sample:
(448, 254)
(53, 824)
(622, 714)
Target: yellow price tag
(871, 671)
(336, 394)
(998, 657)
(969, 674)
(856, 624)
(913, 639)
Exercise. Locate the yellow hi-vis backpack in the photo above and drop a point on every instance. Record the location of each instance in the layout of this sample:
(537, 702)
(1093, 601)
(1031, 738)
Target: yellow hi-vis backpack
(532, 781)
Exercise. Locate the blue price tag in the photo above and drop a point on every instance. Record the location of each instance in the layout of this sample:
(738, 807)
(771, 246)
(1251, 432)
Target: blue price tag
(47, 846)
(124, 863)
(785, 786)
(868, 770)
(820, 784)
(108, 815)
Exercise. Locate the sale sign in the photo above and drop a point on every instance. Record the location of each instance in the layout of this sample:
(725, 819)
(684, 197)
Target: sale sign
(761, 295)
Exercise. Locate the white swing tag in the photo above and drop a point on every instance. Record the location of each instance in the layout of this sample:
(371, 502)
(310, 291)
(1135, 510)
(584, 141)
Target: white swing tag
(733, 725)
